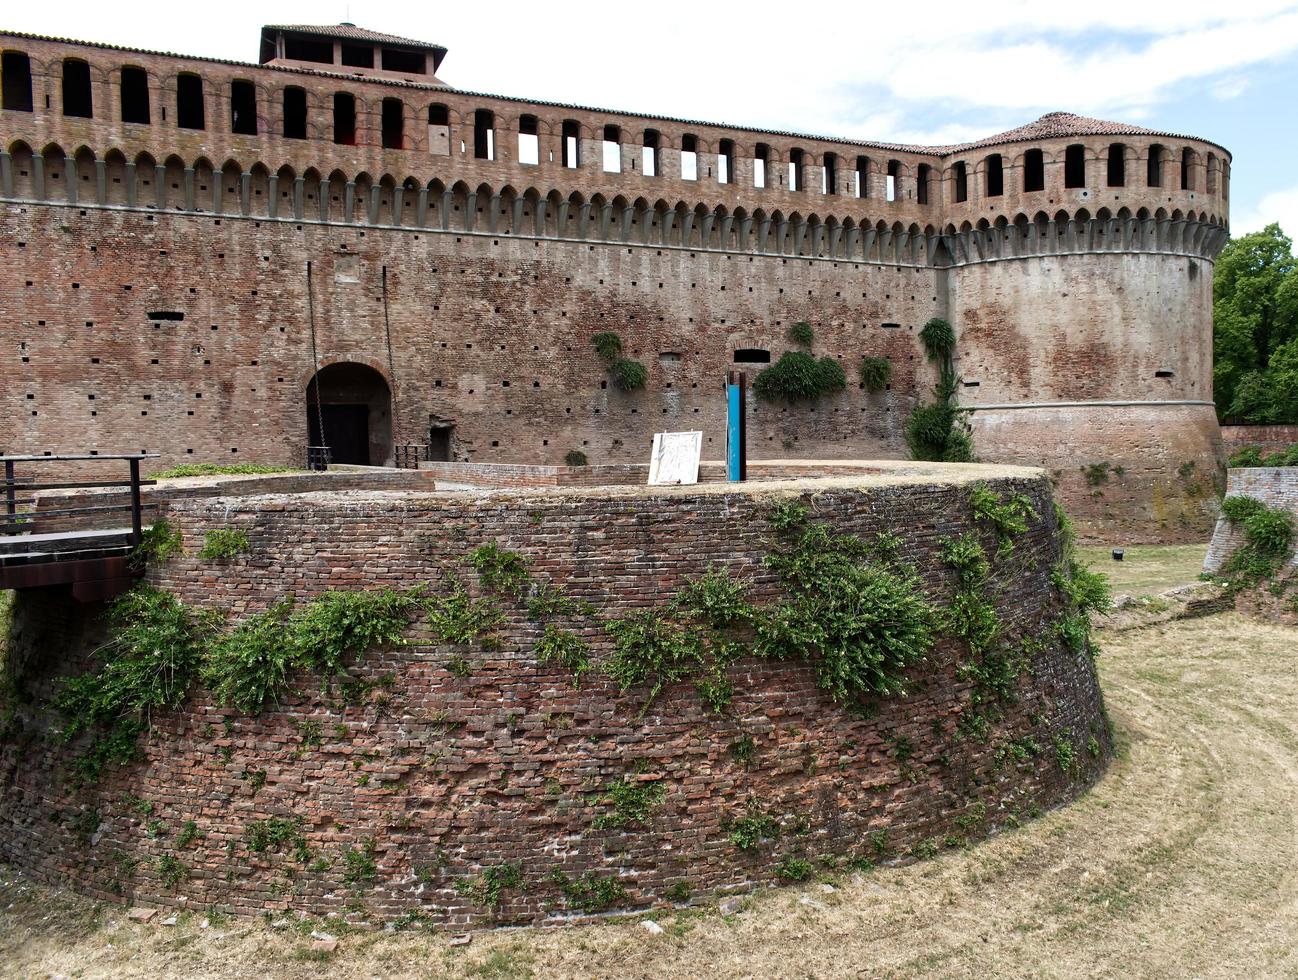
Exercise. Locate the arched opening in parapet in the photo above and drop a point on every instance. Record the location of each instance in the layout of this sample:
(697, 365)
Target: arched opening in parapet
(349, 409)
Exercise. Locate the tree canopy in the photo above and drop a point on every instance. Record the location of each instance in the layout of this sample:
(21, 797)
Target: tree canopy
(1255, 329)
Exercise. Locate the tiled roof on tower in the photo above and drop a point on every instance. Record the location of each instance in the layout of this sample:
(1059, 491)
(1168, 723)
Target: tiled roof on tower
(348, 48)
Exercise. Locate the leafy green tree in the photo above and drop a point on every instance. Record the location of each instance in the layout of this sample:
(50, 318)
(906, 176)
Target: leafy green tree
(1255, 329)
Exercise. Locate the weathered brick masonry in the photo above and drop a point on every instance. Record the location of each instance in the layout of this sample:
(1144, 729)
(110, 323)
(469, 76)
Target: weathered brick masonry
(438, 775)
(464, 252)
(1275, 486)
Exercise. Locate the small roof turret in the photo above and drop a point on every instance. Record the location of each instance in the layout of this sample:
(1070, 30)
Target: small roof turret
(349, 49)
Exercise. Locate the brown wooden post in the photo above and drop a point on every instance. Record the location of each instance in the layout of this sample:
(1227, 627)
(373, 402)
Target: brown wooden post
(137, 524)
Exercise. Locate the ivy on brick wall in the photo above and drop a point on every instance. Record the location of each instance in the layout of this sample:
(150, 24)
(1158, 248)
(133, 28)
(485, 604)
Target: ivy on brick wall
(939, 430)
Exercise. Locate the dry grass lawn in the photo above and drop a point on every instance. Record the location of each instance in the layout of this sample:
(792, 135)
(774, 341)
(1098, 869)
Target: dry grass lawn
(1183, 861)
(1147, 569)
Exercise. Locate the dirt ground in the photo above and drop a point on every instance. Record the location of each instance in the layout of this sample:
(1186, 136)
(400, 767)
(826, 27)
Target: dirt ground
(1183, 861)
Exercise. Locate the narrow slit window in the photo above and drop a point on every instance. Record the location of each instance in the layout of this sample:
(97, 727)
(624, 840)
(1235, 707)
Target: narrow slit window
(862, 176)
(394, 124)
(571, 144)
(1154, 168)
(829, 174)
(650, 161)
(295, 113)
(921, 183)
(16, 81)
(529, 142)
(796, 179)
(135, 95)
(726, 162)
(612, 150)
(243, 108)
(995, 175)
(689, 157)
(344, 119)
(439, 130)
(961, 182)
(76, 89)
(1187, 172)
(761, 159)
(484, 134)
(1075, 166)
(894, 175)
(1117, 176)
(1034, 171)
(189, 102)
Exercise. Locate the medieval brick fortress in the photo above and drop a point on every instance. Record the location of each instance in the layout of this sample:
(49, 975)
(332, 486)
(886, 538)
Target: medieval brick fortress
(187, 243)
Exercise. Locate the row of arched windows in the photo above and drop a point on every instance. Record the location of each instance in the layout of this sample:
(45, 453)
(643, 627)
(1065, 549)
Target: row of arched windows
(174, 184)
(437, 129)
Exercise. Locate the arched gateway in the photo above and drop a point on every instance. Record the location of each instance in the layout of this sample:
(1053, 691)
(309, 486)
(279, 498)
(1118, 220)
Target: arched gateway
(349, 409)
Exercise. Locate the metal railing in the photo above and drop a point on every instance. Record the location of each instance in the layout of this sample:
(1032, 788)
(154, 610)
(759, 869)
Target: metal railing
(409, 455)
(20, 513)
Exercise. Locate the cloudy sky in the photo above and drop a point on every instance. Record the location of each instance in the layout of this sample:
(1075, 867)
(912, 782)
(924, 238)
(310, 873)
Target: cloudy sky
(936, 72)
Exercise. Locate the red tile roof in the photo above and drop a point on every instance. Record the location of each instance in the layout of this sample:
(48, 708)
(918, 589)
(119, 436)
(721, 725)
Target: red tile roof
(350, 32)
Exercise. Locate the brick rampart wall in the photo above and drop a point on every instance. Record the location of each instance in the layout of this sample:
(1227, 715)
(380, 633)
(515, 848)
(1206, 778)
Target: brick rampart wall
(1275, 486)
(440, 772)
(1267, 438)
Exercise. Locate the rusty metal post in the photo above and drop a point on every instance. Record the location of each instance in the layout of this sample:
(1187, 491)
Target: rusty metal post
(137, 523)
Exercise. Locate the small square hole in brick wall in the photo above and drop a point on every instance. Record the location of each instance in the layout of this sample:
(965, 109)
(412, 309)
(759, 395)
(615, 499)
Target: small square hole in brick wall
(1164, 374)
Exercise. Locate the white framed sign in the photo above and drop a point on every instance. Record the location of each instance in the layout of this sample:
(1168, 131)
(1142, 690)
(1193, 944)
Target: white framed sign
(675, 459)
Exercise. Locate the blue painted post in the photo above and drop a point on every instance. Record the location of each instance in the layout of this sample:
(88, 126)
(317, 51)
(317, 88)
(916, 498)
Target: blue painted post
(736, 442)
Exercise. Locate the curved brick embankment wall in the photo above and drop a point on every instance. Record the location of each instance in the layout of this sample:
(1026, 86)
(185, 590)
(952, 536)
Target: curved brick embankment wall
(436, 776)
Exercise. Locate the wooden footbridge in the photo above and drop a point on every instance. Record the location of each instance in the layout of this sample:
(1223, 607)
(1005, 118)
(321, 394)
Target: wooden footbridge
(85, 540)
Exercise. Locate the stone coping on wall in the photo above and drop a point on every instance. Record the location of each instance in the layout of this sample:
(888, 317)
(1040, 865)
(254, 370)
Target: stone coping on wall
(1275, 486)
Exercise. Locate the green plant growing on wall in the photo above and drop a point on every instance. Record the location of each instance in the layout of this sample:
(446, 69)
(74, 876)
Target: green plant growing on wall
(171, 871)
(716, 600)
(627, 375)
(876, 372)
(575, 457)
(275, 833)
(547, 601)
(649, 650)
(360, 866)
(798, 376)
(224, 543)
(566, 649)
(500, 571)
(859, 624)
(147, 665)
(1008, 517)
(628, 802)
(590, 893)
(218, 469)
(486, 888)
(793, 869)
(756, 825)
(939, 430)
(160, 543)
(801, 333)
(1268, 540)
(1082, 590)
(460, 619)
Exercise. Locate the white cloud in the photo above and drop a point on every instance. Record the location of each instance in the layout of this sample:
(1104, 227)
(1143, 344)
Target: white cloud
(1281, 206)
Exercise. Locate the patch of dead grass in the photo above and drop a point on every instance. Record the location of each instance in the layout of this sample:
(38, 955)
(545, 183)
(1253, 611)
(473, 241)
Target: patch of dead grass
(1182, 861)
(1146, 569)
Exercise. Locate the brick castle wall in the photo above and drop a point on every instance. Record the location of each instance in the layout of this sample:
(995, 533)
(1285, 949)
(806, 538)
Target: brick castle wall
(438, 773)
(1275, 486)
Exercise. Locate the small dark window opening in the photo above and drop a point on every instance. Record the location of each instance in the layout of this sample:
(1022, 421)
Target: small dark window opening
(529, 140)
(1154, 174)
(921, 185)
(1034, 171)
(796, 180)
(408, 62)
(394, 123)
(995, 175)
(961, 182)
(752, 355)
(344, 119)
(571, 144)
(16, 81)
(652, 161)
(1117, 164)
(306, 49)
(439, 115)
(1186, 159)
(484, 121)
(894, 180)
(1164, 374)
(243, 108)
(76, 89)
(165, 315)
(1075, 166)
(135, 95)
(439, 443)
(829, 174)
(295, 113)
(189, 102)
(689, 157)
(862, 176)
(891, 326)
(358, 56)
(726, 162)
